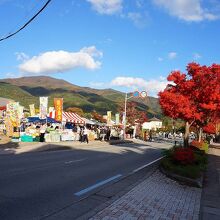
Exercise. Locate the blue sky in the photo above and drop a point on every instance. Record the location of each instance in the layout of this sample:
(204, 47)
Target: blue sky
(120, 44)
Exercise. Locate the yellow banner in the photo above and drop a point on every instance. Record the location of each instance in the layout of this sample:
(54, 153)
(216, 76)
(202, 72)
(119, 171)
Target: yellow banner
(12, 112)
(58, 105)
(109, 117)
(32, 110)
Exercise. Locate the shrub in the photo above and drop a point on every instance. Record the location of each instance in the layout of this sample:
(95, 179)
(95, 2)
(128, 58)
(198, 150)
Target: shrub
(202, 145)
(185, 161)
(184, 156)
(190, 171)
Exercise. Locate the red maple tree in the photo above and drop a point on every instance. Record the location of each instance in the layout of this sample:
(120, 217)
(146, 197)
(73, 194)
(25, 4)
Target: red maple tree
(98, 117)
(133, 115)
(193, 97)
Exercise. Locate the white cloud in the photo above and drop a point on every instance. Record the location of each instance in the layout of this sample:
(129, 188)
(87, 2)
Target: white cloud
(196, 56)
(60, 61)
(139, 19)
(21, 56)
(108, 7)
(151, 86)
(188, 10)
(92, 51)
(11, 75)
(172, 55)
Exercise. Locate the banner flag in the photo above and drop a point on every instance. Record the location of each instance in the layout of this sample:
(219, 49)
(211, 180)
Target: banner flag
(20, 112)
(58, 105)
(32, 110)
(12, 112)
(109, 117)
(51, 109)
(117, 119)
(43, 107)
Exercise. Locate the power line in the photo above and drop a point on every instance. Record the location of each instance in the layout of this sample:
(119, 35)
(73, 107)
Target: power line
(28, 22)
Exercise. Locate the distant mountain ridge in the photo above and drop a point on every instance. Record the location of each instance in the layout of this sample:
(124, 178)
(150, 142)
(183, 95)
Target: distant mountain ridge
(27, 90)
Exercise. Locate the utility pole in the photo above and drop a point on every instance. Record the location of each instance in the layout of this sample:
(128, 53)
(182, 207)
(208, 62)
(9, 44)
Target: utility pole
(136, 94)
(125, 112)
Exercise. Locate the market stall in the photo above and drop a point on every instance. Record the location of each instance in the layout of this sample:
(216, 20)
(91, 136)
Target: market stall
(70, 134)
(33, 128)
(72, 117)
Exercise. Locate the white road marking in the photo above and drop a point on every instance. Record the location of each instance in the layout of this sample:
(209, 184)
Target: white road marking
(146, 165)
(97, 185)
(74, 161)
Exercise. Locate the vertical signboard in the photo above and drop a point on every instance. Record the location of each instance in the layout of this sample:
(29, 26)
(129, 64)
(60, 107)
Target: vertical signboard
(58, 105)
(12, 112)
(32, 110)
(43, 107)
(117, 119)
(109, 117)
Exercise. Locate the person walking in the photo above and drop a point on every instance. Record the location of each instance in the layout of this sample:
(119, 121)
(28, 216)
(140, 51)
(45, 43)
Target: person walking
(85, 135)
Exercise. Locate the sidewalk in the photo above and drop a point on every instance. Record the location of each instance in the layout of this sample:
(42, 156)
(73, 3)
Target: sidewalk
(157, 197)
(210, 203)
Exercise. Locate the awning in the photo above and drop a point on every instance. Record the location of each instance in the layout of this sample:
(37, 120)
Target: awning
(2, 108)
(72, 117)
(37, 119)
(89, 122)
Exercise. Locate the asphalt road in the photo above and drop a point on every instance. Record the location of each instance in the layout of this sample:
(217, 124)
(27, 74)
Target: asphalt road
(34, 185)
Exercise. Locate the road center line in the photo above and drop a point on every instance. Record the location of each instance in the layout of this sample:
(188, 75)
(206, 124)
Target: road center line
(146, 165)
(97, 185)
(74, 161)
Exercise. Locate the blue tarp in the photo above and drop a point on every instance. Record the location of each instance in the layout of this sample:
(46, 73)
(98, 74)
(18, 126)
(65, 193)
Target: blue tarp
(37, 119)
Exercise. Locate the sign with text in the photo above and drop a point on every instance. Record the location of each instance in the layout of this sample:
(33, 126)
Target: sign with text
(12, 112)
(58, 105)
(109, 117)
(43, 107)
(32, 110)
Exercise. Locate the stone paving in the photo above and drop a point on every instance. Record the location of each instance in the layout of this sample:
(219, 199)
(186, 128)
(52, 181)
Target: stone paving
(210, 203)
(157, 197)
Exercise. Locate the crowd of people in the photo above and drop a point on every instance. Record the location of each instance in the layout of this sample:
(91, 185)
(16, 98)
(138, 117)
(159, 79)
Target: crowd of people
(83, 133)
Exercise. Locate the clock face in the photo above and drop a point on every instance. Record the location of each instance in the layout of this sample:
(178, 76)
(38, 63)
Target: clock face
(143, 94)
(136, 94)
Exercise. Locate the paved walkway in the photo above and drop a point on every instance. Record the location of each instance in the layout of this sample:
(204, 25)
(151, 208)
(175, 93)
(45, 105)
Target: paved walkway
(157, 197)
(210, 203)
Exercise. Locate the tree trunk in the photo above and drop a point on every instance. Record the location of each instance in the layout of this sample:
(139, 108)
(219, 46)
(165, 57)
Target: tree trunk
(200, 134)
(186, 135)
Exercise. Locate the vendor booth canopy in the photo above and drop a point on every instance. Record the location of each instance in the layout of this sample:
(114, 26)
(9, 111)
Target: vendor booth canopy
(2, 108)
(72, 117)
(37, 119)
(89, 122)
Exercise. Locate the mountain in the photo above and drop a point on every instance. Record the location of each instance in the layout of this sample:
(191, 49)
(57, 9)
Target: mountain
(27, 90)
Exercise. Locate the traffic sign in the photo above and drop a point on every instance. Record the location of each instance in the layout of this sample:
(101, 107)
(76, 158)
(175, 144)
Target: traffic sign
(136, 94)
(143, 94)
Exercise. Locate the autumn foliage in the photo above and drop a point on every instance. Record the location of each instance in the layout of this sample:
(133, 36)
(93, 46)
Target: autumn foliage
(194, 96)
(76, 110)
(98, 117)
(184, 156)
(133, 115)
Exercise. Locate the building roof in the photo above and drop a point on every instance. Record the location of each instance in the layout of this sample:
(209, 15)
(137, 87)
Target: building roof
(154, 119)
(4, 101)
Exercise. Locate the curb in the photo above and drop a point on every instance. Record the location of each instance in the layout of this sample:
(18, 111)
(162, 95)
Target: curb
(184, 180)
(99, 208)
(115, 142)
